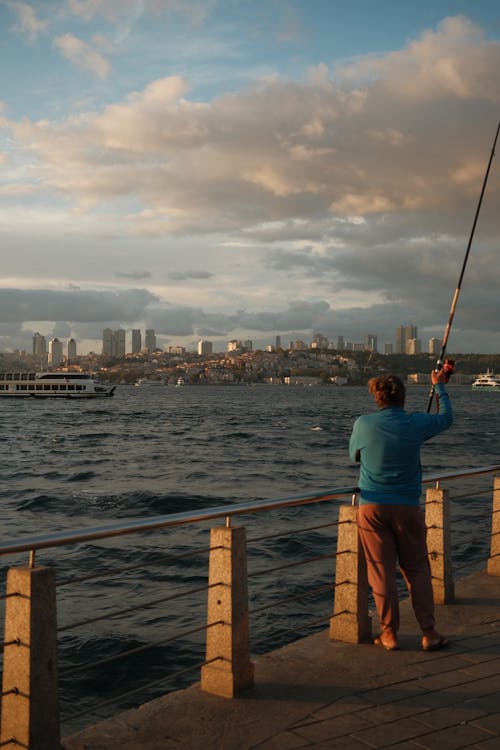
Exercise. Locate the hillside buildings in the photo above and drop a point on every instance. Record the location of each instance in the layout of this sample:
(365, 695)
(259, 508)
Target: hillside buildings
(407, 341)
(114, 342)
(55, 353)
(150, 341)
(205, 347)
(136, 341)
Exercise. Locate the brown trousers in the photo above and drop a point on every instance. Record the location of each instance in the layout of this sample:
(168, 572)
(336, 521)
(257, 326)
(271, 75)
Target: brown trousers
(388, 534)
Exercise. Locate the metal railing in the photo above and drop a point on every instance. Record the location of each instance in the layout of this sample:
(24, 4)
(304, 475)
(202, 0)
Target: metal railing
(107, 531)
(325, 596)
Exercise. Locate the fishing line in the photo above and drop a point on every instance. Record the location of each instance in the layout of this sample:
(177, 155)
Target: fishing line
(449, 364)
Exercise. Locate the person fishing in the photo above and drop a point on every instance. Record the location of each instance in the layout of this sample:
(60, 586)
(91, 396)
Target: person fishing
(391, 524)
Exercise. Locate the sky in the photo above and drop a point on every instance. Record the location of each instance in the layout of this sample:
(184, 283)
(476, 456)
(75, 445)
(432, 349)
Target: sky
(241, 169)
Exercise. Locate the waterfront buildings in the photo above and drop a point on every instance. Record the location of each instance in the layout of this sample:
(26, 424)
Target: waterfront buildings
(150, 341)
(113, 342)
(71, 350)
(413, 346)
(39, 345)
(370, 342)
(405, 334)
(205, 347)
(55, 352)
(434, 346)
(136, 341)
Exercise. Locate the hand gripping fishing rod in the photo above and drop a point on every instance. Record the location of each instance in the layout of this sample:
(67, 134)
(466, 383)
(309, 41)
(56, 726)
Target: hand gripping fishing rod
(449, 364)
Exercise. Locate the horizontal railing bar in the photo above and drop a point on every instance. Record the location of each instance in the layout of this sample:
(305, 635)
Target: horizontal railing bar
(61, 538)
(457, 474)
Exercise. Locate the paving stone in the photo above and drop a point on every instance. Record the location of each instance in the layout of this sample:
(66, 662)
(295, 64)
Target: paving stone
(451, 738)
(483, 669)
(283, 741)
(443, 680)
(491, 723)
(451, 716)
(395, 692)
(346, 705)
(389, 712)
(486, 745)
(331, 728)
(346, 743)
(388, 734)
(445, 664)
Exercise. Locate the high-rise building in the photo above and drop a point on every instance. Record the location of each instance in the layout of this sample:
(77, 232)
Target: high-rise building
(39, 344)
(387, 347)
(340, 344)
(403, 336)
(71, 350)
(136, 341)
(107, 342)
(400, 340)
(434, 346)
(150, 340)
(120, 342)
(413, 346)
(113, 342)
(319, 341)
(205, 347)
(277, 345)
(370, 342)
(55, 352)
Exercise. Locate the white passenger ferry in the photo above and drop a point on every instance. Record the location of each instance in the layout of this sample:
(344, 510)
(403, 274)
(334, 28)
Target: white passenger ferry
(52, 385)
(488, 381)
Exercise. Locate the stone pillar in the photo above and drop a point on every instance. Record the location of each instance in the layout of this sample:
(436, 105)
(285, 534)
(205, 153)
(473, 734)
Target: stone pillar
(350, 621)
(493, 567)
(227, 641)
(30, 707)
(437, 519)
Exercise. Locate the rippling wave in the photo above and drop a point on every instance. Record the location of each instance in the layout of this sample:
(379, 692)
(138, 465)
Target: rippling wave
(75, 464)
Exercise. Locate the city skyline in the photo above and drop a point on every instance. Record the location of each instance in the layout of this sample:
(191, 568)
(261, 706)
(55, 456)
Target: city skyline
(220, 171)
(121, 342)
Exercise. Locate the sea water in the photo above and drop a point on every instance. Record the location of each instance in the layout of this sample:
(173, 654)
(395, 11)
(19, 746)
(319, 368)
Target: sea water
(150, 451)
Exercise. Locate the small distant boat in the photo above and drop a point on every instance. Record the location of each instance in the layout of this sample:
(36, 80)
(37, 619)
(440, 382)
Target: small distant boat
(52, 385)
(142, 382)
(488, 381)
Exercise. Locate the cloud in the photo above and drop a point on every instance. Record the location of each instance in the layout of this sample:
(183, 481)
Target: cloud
(133, 275)
(331, 202)
(82, 54)
(28, 23)
(17, 305)
(114, 10)
(187, 275)
(284, 151)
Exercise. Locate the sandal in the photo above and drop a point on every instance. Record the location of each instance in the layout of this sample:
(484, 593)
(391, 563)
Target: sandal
(379, 642)
(441, 642)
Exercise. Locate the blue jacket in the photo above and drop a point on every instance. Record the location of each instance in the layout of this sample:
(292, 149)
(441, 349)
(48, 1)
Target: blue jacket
(387, 444)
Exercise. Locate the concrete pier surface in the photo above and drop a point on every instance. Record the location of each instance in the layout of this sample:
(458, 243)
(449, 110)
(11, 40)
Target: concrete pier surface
(322, 694)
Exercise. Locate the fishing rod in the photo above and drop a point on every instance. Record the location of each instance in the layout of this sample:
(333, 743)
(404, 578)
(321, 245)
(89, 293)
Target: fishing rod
(448, 364)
